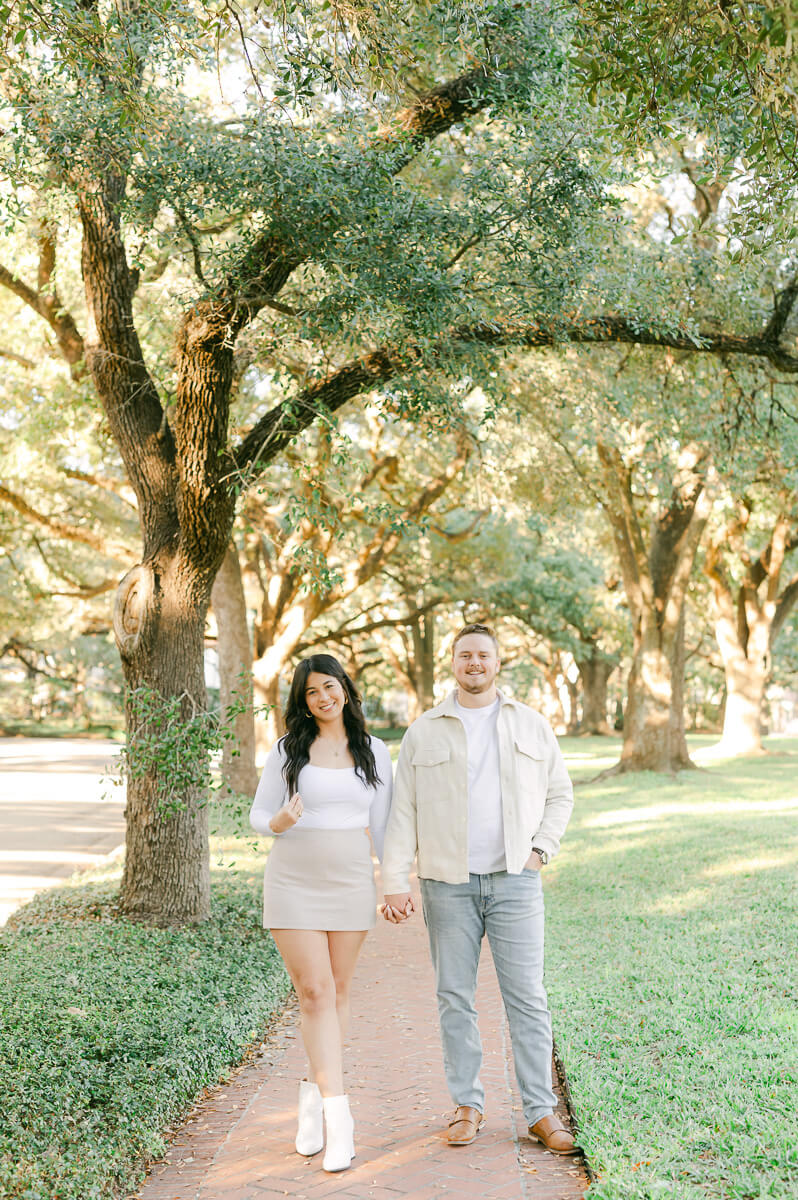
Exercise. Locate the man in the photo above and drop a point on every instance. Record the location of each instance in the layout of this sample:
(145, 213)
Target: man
(482, 797)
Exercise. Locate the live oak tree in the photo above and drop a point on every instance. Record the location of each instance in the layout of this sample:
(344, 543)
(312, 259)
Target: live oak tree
(642, 453)
(754, 579)
(556, 587)
(401, 628)
(322, 213)
(94, 121)
(236, 693)
(656, 571)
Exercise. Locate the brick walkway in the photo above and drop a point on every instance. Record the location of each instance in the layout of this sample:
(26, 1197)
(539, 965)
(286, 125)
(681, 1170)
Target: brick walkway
(238, 1144)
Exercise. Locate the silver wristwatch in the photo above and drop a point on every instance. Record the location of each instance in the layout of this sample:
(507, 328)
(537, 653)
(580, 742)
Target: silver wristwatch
(543, 855)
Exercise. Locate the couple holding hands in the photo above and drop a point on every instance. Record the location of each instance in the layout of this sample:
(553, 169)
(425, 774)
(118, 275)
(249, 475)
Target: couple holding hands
(481, 800)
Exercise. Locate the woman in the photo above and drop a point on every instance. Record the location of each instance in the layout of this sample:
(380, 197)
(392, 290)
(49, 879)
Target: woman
(324, 783)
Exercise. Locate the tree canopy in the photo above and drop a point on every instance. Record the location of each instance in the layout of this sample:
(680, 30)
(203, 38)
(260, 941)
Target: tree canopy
(230, 223)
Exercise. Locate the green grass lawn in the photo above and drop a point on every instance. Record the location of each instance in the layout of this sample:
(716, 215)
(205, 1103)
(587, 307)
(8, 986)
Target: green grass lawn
(671, 971)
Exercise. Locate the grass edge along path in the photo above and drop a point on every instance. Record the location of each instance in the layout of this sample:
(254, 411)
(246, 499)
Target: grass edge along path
(110, 1031)
(673, 978)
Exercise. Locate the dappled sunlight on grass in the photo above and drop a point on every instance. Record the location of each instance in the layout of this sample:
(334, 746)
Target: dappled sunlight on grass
(745, 866)
(681, 903)
(656, 812)
(672, 974)
(586, 756)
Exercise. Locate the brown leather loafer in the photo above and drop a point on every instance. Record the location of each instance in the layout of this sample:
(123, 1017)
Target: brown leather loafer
(552, 1134)
(464, 1126)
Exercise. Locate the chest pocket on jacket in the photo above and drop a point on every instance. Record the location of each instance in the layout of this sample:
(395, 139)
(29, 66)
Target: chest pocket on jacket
(531, 764)
(433, 764)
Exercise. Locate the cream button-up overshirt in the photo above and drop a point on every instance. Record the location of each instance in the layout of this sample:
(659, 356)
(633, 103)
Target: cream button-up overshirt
(429, 813)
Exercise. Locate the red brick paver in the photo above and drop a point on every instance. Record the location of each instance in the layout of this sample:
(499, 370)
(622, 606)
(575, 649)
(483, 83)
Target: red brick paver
(238, 1144)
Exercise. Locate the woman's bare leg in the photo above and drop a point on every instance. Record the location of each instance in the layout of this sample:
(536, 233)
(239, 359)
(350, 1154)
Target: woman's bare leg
(306, 954)
(345, 946)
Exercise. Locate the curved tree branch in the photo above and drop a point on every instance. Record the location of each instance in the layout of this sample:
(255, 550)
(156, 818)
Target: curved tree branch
(64, 529)
(47, 304)
(19, 359)
(281, 424)
(787, 600)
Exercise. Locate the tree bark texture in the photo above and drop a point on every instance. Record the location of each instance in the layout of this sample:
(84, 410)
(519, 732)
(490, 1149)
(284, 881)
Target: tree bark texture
(267, 692)
(655, 579)
(422, 631)
(159, 628)
(186, 515)
(234, 647)
(573, 705)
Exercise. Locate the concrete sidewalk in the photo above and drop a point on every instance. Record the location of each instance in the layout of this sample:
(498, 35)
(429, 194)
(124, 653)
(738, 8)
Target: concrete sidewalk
(59, 812)
(238, 1143)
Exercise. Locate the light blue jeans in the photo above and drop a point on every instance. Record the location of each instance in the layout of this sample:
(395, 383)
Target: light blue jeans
(509, 909)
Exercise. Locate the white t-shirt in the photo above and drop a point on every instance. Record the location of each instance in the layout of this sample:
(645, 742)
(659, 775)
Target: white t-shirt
(332, 797)
(485, 819)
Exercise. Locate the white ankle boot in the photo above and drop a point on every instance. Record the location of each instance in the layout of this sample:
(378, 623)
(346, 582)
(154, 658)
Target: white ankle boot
(310, 1119)
(340, 1133)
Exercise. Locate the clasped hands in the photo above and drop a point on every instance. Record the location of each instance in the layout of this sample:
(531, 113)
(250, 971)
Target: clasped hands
(398, 907)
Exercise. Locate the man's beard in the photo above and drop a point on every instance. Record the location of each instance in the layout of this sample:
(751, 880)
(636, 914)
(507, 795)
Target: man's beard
(476, 684)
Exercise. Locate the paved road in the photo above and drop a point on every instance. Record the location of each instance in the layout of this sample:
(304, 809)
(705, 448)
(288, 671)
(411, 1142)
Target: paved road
(58, 812)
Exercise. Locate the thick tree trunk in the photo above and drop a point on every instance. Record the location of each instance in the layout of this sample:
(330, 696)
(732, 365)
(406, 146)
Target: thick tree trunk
(653, 726)
(159, 624)
(276, 641)
(235, 675)
(415, 704)
(573, 705)
(747, 668)
(555, 709)
(594, 673)
(749, 616)
(655, 580)
(742, 718)
(677, 731)
(423, 636)
(646, 718)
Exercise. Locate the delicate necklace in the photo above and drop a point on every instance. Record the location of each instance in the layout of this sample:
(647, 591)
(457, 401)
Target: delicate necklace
(337, 748)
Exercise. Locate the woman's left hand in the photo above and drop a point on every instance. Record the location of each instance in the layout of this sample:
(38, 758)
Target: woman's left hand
(287, 816)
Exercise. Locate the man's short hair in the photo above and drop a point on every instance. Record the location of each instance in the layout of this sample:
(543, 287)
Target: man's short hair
(485, 630)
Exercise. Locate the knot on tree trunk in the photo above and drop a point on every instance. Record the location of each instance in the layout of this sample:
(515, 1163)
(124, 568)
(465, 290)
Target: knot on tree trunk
(205, 329)
(133, 598)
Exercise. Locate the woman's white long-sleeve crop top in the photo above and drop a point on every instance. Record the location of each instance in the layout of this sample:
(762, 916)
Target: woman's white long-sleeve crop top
(332, 797)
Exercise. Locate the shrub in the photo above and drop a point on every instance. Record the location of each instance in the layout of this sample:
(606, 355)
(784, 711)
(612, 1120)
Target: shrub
(109, 1031)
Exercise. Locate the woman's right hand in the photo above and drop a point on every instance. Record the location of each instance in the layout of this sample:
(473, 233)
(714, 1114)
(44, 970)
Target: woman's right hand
(287, 816)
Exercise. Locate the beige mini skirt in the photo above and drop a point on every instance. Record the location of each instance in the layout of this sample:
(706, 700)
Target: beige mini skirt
(320, 879)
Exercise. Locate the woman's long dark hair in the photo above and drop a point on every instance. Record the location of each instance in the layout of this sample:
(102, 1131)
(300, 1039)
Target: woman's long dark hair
(302, 729)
